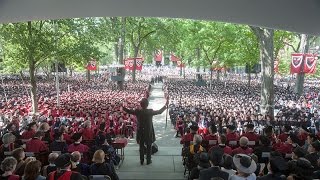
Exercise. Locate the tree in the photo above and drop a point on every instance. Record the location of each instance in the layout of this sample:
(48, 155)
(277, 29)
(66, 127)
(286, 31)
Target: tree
(32, 44)
(139, 29)
(265, 38)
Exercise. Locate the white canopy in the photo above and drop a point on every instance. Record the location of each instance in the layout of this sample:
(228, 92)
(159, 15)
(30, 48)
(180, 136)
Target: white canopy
(294, 15)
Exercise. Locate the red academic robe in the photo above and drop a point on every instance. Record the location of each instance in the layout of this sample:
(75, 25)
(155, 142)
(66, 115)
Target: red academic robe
(36, 145)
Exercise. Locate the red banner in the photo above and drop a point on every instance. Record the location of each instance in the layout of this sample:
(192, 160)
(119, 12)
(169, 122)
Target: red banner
(158, 55)
(174, 58)
(180, 64)
(92, 65)
(128, 63)
(296, 62)
(310, 64)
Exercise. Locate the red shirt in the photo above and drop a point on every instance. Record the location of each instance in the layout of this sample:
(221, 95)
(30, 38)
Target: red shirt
(251, 136)
(87, 134)
(211, 137)
(186, 138)
(28, 134)
(232, 137)
(226, 149)
(36, 145)
(78, 147)
(242, 150)
(283, 137)
(283, 148)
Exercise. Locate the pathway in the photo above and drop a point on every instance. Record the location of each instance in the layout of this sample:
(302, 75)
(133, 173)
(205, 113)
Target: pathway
(166, 163)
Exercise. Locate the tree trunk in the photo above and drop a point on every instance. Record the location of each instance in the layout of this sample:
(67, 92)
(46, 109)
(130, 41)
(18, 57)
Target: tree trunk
(211, 77)
(249, 79)
(265, 37)
(33, 83)
(304, 48)
(218, 75)
(136, 51)
(121, 52)
(184, 73)
(32, 69)
(71, 71)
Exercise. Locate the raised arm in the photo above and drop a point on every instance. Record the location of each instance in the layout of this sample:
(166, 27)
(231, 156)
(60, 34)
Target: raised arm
(162, 109)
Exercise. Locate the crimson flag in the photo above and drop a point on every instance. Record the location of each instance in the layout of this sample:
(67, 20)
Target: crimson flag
(158, 55)
(128, 63)
(92, 65)
(174, 58)
(310, 64)
(180, 64)
(296, 62)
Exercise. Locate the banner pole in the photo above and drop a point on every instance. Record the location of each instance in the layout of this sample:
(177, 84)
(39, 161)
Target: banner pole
(166, 117)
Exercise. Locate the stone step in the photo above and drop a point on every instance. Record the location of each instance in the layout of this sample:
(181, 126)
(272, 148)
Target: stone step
(151, 175)
(163, 151)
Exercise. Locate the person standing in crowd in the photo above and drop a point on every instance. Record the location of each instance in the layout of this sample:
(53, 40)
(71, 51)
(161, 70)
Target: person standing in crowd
(145, 130)
(36, 144)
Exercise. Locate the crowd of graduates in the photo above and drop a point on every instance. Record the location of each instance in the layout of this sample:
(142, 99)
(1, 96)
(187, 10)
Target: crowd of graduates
(77, 136)
(224, 135)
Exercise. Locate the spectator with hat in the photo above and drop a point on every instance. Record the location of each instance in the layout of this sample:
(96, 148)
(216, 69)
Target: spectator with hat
(77, 145)
(63, 163)
(313, 156)
(245, 166)
(215, 156)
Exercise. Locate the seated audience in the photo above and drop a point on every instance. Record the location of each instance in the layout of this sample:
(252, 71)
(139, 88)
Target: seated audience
(215, 157)
(203, 164)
